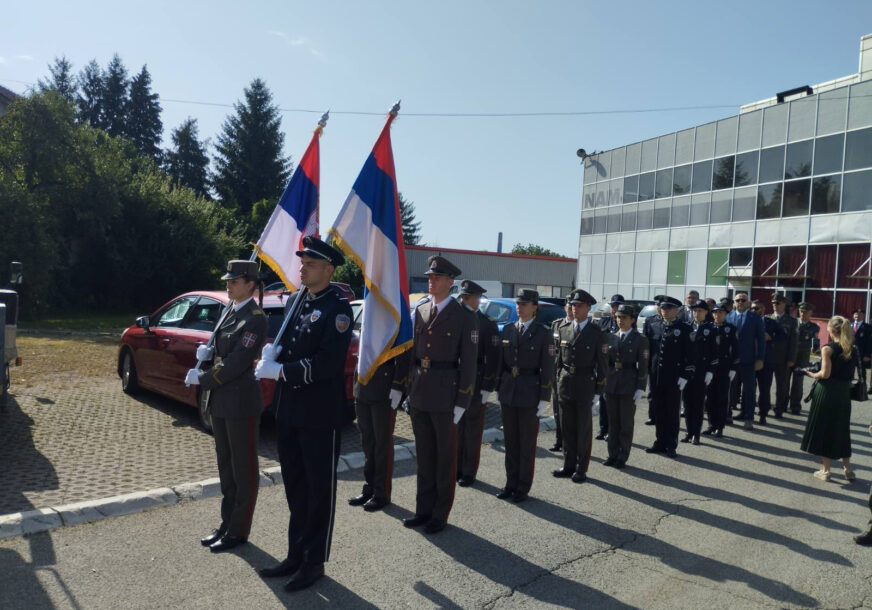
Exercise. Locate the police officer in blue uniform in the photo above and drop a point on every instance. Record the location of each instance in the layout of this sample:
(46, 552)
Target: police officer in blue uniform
(727, 347)
(704, 357)
(309, 403)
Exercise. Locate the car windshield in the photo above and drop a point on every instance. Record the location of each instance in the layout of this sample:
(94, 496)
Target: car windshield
(497, 312)
(648, 310)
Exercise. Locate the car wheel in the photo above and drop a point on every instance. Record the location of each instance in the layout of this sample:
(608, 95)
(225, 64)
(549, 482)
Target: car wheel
(203, 408)
(129, 380)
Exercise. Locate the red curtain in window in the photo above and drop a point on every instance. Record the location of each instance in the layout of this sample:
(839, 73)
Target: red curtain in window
(851, 257)
(822, 301)
(821, 267)
(847, 302)
(790, 263)
(763, 262)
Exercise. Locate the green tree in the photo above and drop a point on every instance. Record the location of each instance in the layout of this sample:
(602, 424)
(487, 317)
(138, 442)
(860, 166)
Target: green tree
(116, 97)
(534, 250)
(143, 124)
(249, 165)
(349, 273)
(187, 162)
(411, 229)
(61, 79)
(89, 100)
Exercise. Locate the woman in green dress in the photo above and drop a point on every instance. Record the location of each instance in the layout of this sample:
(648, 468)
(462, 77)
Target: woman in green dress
(828, 430)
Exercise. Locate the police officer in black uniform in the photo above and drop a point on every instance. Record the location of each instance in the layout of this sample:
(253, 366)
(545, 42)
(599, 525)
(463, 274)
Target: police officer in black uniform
(783, 352)
(652, 330)
(309, 366)
(556, 325)
(235, 404)
(671, 370)
(704, 356)
(609, 325)
(727, 347)
(807, 342)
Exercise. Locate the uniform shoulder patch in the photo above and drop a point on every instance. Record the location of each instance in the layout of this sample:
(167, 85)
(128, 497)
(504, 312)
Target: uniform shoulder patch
(249, 339)
(343, 322)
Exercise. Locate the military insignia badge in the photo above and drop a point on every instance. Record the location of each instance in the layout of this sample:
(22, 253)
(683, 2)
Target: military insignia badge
(727, 330)
(676, 332)
(474, 336)
(315, 315)
(706, 332)
(249, 339)
(551, 350)
(342, 322)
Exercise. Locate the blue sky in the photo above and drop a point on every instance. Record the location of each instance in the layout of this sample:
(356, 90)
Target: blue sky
(469, 177)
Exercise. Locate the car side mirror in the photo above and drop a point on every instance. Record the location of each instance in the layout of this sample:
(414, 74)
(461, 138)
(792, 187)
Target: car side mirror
(143, 322)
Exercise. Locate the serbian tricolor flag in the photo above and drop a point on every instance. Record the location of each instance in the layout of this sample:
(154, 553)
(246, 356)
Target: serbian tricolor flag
(368, 230)
(295, 216)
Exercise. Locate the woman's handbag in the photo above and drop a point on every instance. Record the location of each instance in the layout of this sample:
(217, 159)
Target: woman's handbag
(859, 392)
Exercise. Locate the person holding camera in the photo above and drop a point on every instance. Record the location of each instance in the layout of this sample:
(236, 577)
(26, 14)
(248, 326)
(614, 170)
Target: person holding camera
(828, 429)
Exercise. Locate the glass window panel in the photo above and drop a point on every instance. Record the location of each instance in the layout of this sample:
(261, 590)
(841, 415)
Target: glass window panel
(658, 268)
(721, 204)
(716, 267)
(666, 151)
(858, 149)
(796, 197)
(744, 204)
(645, 216)
(849, 300)
(642, 266)
(702, 176)
(860, 105)
(614, 223)
(684, 146)
(600, 221)
(705, 142)
(631, 189)
(722, 177)
(586, 223)
(821, 269)
(646, 186)
(663, 183)
(822, 301)
(628, 218)
(589, 171)
(774, 125)
(699, 209)
(765, 266)
(853, 263)
(746, 168)
(771, 164)
(680, 211)
(676, 263)
(681, 179)
(661, 213)
(634, 156)
(798, 162)
(792, 266)
(649, 155)
(857, 192)
(725, 144)
(833, 105)
(749, 130)
(740, 257)
(616, 191)
(801, 125)
(625, 269)
(602, 194)
(604, 162)
(769, 200)
(589, 196)
(696, 268)
(825, 193)
(828, 154)
(619, 157)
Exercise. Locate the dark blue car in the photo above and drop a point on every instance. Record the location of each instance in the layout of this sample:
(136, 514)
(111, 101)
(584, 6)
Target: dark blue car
(503, 311)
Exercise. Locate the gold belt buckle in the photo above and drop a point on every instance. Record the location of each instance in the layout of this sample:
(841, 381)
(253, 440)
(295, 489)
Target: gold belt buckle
(425, 363)
(515, 371)
(572, 370)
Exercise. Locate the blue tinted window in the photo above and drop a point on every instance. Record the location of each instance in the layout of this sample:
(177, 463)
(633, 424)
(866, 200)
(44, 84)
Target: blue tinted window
(857, 192)
(769, 200)
(798, 162)
(796, 197)
(772, 164)
(825, 193)
(858, 149)
(828, 154)
(746, 168)
(646, 186)
(723, 173)
(702, 176)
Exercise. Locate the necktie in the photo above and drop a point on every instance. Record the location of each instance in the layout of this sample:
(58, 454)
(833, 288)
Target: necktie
(577, 329)
(856, 325)
(741, 322)
(433, 311)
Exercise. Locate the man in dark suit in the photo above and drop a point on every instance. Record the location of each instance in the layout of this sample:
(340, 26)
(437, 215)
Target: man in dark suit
(862, 338)
(685, 312)
(556, 325)
(752, 351)
(309, 367)
(609, 325)
(765, 375)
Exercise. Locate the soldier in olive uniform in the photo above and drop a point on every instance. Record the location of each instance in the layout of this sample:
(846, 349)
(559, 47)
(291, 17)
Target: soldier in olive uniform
(608, 324)
(704, 356)
(556, 325)
(582, 358)
(235, 404)
(526, 356)
(471, 426)
(310, 408)
(625, 383)
(806, 343)
(727, 346)
(671, 369)
(441, 379)
(783, 352)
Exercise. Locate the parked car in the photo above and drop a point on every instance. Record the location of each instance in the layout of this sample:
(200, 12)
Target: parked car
(647, 312)
(503, 311)
(157, 351)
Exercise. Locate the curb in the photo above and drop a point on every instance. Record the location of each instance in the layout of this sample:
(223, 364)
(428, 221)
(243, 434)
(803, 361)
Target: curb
(53, 517)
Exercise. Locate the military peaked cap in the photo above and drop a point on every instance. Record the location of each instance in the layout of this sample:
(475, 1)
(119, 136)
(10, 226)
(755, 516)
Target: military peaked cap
(626, 310)
(314, 247)
(241, 268)
(441, 266)
(581, 296)
(668, 301)
(616, 299)
(700, 305)
(525, 295)
(470, 287)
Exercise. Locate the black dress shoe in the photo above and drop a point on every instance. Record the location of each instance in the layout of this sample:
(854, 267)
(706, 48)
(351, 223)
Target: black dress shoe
(505, 493)
(778, 414)
(556, 447)
(620, 464)
(434, 526)
(671, 453)
(796, 411)
(649, 422)
(601, 436)
(285, 568)
(562, 473)
(360, 500)
(686, 438)
(654, 449)
(610, 462)
(519, 496)
(864, 539)
(305, 577)
(416, 520)
(212, 538)
(465, 481)
(375, 504)
(719, 433)
(695, 440)
(227, 542)
(708, 431)
(579, 477)
(762, 420)
(683, 413)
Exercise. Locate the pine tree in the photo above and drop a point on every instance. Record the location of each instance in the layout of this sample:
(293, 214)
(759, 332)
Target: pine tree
(411, 229)
(143, 124)
(116, 96)
(249, 165)
(62, 79)
(89, 100)
(187, 162)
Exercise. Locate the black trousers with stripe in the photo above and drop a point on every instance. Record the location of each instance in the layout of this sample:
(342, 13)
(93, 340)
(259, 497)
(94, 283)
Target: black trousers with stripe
(236, 450)
(375, 420)
(308, 458)
(520, 429)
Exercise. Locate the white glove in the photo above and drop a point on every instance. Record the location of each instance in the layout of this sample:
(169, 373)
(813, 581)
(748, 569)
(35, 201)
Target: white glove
(458, 413)
(192, 378)
(484, 396)
(396, 397)
(270, 351)
(540, 408)
(595, 407)
(708, 377)
(205, 353)
(268, 369)
(637, 395)
(732, 374)
(681, 383)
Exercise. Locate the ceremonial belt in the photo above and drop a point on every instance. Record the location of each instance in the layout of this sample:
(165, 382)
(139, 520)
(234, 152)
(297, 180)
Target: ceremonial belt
(619, 366)
(574, 370)
(516, 371)
(426, 364)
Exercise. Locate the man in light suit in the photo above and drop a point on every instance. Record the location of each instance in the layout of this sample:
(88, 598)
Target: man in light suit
(752, 351)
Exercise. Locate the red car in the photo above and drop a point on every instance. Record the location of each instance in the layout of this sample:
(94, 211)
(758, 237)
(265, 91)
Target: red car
(156, 352)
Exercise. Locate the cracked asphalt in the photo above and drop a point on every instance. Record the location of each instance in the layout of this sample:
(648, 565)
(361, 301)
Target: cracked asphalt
(737, 522)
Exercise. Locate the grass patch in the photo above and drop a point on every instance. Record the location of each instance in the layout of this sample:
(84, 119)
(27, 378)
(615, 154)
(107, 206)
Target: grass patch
(46, 357)
(83, 322)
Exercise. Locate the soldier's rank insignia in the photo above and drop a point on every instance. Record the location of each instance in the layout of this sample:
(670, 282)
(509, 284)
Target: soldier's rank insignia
(249, 339)
(474, 336)
(315, 315)
(342, 322)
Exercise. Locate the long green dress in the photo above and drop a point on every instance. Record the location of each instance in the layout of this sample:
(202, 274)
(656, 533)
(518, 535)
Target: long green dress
(828, 429)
